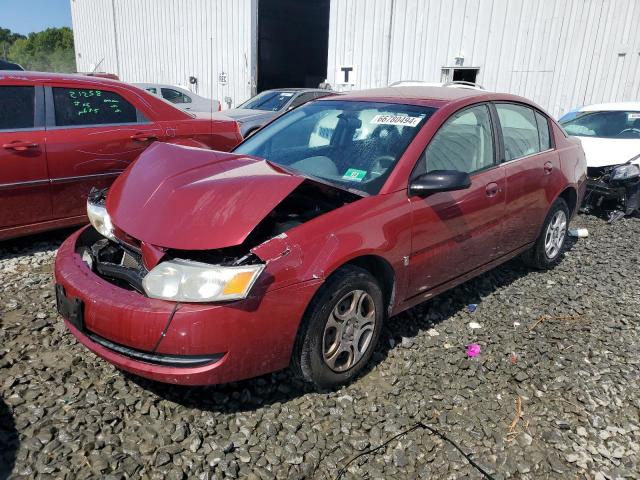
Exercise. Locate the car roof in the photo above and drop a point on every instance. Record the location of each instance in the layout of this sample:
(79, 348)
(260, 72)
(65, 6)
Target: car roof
(423, 95)
(60, 77)
(618, 106)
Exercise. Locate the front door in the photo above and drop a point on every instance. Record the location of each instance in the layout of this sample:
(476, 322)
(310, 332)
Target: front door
(93, 136)
(24, 180)
(456, 232)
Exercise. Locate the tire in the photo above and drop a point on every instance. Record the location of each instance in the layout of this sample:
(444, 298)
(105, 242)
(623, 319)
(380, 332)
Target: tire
(328, 351)
(547, 250)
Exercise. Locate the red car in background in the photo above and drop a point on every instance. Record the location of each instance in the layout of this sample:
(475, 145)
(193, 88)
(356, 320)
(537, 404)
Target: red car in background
(297, 246)
(60, 135)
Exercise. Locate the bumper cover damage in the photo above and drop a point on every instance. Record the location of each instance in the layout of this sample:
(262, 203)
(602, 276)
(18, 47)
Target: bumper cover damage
(611, 198)
(189, 344)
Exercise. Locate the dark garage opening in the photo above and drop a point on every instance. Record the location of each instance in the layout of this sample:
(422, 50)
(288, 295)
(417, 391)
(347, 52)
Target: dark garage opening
(465, 75)
(293, 43)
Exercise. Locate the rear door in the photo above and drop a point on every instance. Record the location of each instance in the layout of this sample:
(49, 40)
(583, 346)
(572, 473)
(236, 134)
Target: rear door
(456, 232)
(24, 180)
(531, 165)
(92, 136)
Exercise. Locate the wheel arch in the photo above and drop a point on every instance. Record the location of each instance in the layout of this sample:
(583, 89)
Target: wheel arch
(381, 270)
(570, 196)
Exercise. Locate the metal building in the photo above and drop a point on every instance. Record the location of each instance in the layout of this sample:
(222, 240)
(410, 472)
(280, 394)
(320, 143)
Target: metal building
(560, 53)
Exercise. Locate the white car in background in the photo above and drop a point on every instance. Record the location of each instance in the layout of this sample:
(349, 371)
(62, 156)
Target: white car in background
(610, 136)
(181, 97)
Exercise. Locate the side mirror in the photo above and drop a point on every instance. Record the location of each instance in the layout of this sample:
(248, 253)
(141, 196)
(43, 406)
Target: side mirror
(439, 181)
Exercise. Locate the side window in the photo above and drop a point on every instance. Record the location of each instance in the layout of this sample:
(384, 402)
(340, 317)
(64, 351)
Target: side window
(543, 129)
(81, 106)
(174, 96)
(302, 98)
(152, 90)
(463, 143)
(519, 130)
(17, 107)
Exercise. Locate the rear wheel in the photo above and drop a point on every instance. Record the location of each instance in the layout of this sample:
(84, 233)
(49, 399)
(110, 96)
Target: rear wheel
(340, 329)
(546, 252)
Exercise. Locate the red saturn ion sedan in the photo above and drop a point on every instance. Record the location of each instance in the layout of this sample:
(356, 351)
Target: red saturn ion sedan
(62, 134)
(295, 248)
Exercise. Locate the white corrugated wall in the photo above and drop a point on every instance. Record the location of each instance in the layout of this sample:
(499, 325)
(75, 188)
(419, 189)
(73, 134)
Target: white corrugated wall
(560, 53)
(167, 41)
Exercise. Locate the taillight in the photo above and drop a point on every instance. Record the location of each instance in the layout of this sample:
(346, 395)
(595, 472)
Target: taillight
(219, 105)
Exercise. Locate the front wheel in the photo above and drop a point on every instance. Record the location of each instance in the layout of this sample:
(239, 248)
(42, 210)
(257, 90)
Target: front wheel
(340, 329)
(546, 252)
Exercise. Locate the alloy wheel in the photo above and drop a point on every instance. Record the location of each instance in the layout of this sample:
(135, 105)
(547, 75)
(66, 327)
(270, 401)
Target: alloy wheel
(349, 330)
(554, 236)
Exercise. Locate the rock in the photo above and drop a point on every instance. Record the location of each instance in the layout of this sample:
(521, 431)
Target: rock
(162, 459)
(399, 458)
(65, 413)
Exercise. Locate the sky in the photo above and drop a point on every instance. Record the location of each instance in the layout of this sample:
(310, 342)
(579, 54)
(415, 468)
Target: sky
(25, 16)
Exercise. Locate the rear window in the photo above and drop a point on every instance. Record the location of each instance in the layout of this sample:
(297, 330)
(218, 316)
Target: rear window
(17, 107)
(603, 124)
(81, 106)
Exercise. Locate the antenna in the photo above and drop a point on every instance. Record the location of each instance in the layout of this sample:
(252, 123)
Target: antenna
(97, 65)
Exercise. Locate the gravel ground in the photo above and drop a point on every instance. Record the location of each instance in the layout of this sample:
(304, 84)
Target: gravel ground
(554, 393)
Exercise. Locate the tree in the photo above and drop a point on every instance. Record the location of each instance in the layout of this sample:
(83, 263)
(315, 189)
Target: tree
(7, 38)
(50, 50)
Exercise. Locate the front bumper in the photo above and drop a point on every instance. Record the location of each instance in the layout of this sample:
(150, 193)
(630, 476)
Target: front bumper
(189, 344)
(606, 194)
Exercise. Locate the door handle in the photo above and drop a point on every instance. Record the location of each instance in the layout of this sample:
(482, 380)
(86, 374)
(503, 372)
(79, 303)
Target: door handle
(143, 137)
(492, 189)
(548, 167)
(19, 146)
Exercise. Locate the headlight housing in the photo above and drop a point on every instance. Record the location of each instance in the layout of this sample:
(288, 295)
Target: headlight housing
(187, 281)
(625, 172)
(100, 219)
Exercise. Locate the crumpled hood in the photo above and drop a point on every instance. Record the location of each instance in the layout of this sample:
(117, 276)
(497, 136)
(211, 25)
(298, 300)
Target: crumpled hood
(195, 199)
(603, 152)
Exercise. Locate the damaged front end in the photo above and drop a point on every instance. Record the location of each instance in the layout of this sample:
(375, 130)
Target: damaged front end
(613, 191)
(201, 275)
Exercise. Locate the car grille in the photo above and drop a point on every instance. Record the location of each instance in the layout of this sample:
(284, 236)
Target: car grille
(118, 263)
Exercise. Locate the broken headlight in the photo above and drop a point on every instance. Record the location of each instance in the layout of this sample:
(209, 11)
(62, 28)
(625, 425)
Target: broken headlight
(625, 172)
(187, 281)
(100, 219)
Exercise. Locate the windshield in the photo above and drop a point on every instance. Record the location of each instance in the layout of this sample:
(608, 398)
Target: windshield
(602, 124)
(353, 145)
(272, 101)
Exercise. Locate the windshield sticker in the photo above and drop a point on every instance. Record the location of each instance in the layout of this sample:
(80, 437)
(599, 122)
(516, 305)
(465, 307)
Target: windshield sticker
(354, 175)
(633, 116)
(398, 120)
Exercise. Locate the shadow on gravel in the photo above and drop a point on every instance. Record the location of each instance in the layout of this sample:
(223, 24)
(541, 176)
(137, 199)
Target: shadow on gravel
(8, 441)
(280, 387)
(34, 243)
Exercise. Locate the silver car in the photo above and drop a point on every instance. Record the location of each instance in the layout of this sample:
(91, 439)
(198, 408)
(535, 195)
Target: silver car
(267, 105)
(181, 97)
